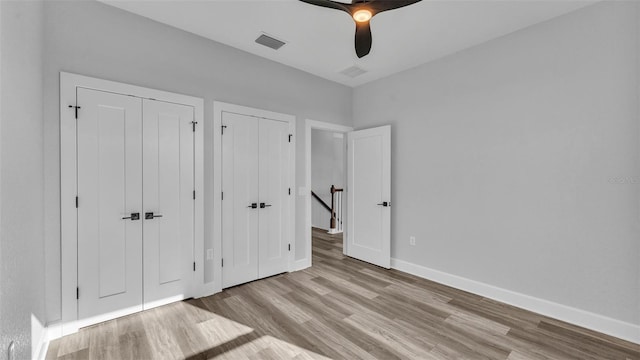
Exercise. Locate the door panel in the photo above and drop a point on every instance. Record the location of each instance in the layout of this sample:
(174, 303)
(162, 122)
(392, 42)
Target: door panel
(274, 185)
(369, 186)
(109, 138)
(240, 186)
(168, 194)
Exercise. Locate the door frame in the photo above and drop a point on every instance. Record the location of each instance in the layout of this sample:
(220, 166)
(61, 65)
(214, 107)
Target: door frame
(68, 183)
(321, 125)
(218, 109)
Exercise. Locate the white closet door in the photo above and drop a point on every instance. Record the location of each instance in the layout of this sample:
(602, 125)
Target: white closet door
(274, 190)
(240, 187)
(109, 141)
(168, 214)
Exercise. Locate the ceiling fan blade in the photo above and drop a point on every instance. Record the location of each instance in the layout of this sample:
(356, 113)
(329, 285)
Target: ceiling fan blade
(379, 6)
(363, 39)
(329, 4)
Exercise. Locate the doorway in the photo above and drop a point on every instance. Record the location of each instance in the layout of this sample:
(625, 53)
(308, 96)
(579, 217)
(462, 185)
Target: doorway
(326, 180)
(366, 196)
(327, 184)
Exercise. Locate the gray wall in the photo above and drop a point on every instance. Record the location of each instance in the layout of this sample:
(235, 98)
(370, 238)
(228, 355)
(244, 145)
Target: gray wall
(516, 163)
(327, 168)
(97, 40)
(22, 310)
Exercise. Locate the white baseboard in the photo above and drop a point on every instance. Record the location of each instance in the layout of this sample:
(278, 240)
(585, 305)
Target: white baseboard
(52, 331)
(39, 341)
(42, 353)
(300, 265)
(205, 290)
(593, 321)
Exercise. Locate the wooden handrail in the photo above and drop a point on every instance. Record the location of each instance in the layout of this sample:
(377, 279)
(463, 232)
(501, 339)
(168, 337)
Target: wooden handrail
(324, 204)
(332, 208)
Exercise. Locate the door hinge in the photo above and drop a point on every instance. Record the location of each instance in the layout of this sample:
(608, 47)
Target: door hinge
(194, 194)
(77, 293)
(194, 266)
(289, 191)
(223, 127)
(75, 107)
(222, 195)
(193, 123)
(289, 247)
(290, 136)
(76, 202)
(222, 262)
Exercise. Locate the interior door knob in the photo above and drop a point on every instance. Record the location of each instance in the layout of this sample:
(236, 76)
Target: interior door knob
(385, 204)
(151, 216)
(133, 217)
(263, 205)
(253, 206)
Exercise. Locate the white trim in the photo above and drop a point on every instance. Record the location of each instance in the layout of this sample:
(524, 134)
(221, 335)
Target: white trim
(596, 322)
(54, 330)
(319, 125)
(218, 109)
(50, 332)
(68, 186)
(301, 264)
(109, 316)
(41, 346)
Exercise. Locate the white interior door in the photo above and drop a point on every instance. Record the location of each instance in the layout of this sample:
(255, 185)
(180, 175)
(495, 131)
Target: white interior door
(369, 194)
(240, 204)
(109, 176)
(168, 199)
(274, 214)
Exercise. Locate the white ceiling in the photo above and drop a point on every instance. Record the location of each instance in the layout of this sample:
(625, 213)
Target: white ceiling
(320, 40)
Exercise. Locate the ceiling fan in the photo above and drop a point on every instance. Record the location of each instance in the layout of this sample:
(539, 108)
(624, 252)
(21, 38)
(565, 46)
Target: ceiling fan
(362, 11)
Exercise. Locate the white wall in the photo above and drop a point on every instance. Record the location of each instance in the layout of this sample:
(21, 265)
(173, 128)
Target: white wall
(97, 40)
(22, 310)
(516, 163)
(327, 168)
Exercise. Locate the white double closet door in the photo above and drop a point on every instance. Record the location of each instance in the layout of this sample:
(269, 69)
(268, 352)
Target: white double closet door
(256, 187)
(135, 179)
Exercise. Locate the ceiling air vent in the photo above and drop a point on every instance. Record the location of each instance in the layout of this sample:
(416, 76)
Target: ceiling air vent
(270, 41)
(353, 71)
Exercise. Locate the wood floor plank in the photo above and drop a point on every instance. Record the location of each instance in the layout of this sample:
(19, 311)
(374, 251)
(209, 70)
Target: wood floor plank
(340, 308)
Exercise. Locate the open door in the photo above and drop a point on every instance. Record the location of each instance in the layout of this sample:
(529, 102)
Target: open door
(369, 195)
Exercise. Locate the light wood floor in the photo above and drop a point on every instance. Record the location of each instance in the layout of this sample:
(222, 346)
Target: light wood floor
(343, 309)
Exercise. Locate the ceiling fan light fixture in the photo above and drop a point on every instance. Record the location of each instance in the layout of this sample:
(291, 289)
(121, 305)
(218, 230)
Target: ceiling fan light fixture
(362, 15)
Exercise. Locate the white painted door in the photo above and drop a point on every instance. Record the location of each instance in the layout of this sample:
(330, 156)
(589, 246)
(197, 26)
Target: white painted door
(256, 214)
(369, 194)
(274, 213)
(109, 175)
(168, 199)
(240, 204)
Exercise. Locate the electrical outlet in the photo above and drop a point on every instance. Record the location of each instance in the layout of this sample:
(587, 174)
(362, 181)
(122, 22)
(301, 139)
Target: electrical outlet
(209, 254)
(412, 240)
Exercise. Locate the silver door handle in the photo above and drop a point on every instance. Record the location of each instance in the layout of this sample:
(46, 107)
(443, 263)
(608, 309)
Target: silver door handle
(385, 204)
